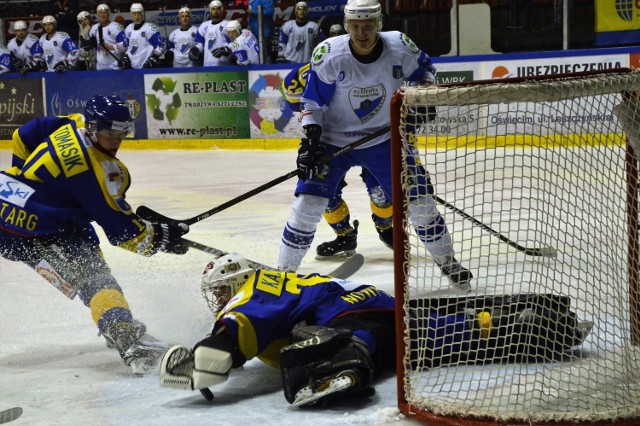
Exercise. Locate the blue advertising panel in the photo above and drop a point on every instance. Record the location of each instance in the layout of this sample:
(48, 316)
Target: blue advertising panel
(66, 94)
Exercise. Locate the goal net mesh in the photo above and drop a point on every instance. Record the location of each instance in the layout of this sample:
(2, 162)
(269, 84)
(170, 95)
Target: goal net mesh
(545, 164)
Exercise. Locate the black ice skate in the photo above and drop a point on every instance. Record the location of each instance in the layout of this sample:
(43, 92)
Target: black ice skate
(343, 245)
(459, 276)
(386, 236)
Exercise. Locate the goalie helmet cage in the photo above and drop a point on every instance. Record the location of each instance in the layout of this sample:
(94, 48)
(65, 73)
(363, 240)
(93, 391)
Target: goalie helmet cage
(544, 162)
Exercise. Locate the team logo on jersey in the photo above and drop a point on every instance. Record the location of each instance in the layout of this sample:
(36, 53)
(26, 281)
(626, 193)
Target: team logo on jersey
(397, 71)
(14, 191)
(367, 101)
(319, 52)
(404, 39)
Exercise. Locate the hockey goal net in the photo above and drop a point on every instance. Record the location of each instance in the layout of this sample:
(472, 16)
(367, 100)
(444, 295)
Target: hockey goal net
(537, 182)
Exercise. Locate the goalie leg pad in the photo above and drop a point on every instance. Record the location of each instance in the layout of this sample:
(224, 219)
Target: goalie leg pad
(330, 362)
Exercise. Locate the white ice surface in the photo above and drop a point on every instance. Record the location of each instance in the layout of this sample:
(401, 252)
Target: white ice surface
(54, 365)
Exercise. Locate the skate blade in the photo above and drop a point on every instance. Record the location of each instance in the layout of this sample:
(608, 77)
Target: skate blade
(306, 396)
(464, 286)
(342, 255)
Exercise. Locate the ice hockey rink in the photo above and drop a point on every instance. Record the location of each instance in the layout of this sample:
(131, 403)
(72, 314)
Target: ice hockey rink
(53, 364)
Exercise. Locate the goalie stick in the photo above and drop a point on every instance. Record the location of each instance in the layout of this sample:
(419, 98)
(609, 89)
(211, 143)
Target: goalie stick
(345, 270)
(542, 251)
(153, 216)
(10, 414)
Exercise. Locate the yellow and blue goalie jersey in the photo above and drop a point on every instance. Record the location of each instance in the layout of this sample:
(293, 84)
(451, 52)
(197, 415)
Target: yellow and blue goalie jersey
(293, 85)
(64, 182)
(266, 308)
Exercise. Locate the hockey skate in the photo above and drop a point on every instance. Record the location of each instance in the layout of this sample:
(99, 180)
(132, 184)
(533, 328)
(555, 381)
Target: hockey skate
(459, 276)
(320, 389)
(137, 349)
(386, 236)
(343, 245)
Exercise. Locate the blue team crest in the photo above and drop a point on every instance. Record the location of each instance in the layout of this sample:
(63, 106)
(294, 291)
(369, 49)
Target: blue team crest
(367, 101)
(397, 71)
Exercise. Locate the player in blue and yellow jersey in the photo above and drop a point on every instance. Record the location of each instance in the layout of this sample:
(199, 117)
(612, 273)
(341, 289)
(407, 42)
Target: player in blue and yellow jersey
(263, 313)
(337, 213)
(65, 175)
(331, 337)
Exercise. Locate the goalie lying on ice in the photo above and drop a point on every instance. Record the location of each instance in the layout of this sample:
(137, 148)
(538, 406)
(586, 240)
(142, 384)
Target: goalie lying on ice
(332, 337)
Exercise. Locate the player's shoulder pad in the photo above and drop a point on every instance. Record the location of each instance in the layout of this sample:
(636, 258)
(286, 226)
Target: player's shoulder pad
(320, 52)
(400, 41)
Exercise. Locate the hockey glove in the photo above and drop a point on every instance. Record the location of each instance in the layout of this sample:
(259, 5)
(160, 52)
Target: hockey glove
(309, 153)
(61, 66)
(281, 60)
(220, 52)
(126, 62)
(194, 54)
(17, 63)
(152, 62)
(167, 237)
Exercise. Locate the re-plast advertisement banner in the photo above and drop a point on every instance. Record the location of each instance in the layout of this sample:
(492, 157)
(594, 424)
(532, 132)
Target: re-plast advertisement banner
(617, 22)
(204, 105)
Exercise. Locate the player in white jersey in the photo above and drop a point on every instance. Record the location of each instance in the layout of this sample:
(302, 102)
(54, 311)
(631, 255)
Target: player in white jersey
(5, 59)
(347, 97)
(87, 58)
(243, 48)
(212, 35)
(146, 45)
(60, 51)
(25, 50)
(298, 38)
(109, 38)
(181, 40)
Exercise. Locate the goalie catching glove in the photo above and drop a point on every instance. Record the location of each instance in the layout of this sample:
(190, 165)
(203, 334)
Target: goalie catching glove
(310, 152)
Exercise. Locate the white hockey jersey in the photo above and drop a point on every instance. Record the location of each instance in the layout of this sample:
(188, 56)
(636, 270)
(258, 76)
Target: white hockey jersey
(211, 36)
(5, 60)
(351, 99)
(110, 35)
(26, 51)
(295, 42)
(180, 41)
(143, 42)
(59, 48)
(246, 48)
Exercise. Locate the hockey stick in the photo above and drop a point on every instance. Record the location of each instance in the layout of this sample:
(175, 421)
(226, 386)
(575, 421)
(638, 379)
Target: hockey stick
(345, 270)
(146, 213)
(10, 414)
(542, 251)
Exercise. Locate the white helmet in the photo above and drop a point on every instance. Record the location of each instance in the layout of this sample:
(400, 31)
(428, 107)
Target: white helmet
(184, 9)
(362, 10)
(222, 279)
(19, 25)
(335, 29)
(302, 4)
(82, 15)
(49, 20)
(103, 7)
(215, 3)
(136, 7)
(234, 25)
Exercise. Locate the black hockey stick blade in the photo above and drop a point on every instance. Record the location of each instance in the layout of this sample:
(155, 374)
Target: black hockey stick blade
(207, 394)
(348, 267)
(149, 214)
(219, 253)
(541, 251)
(10, 414)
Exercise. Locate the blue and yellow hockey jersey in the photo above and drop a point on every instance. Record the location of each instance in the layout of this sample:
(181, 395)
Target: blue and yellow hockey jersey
(266, 308)
(60, 182)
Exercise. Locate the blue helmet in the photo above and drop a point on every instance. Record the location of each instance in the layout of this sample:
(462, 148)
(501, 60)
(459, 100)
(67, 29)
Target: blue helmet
(107, 112)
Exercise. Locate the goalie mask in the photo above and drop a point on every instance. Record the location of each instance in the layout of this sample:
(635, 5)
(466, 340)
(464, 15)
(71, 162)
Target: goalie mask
(106, 113)
(222, 279)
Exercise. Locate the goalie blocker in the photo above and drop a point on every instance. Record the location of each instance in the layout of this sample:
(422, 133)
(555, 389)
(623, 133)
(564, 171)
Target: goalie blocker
(325, 363)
